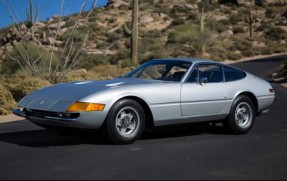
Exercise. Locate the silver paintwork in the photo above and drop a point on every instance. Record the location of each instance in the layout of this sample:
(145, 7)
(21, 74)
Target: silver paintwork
(169, 102)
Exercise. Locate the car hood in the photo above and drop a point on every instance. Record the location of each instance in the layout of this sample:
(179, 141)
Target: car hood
(77, 90)
(64, 94)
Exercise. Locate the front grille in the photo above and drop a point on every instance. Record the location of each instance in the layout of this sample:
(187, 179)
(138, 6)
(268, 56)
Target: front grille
(44, 114)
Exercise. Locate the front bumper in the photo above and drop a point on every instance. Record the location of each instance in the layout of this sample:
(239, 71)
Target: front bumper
(87, 120)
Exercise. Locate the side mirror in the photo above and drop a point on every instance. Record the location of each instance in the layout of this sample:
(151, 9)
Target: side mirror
(203, 80)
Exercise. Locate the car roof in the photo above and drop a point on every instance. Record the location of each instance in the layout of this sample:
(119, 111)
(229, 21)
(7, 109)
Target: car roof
(192, 60)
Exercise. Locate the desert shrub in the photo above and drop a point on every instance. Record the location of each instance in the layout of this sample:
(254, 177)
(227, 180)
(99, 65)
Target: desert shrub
(177, 21)
(24, 87)
(263, 26)
(152, 34)
(112, 37)
(249, 53)
(207, 6)
(215, 25)
(78, 35)
(112, 20)
(234, 56)
(103, 72)
(79, 75)
(235, 18)
(218, 52)
(275, 33)
(121, 55)
(10, 65)
(241, 44)
(154, 52)
(89, 61)
(192, 16)
(238, 29)
(7, 103)
(283, 69)
(189, 35)
(103, 45)
(225, 21)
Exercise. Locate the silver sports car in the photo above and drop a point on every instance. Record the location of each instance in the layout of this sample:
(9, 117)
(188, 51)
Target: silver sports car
(157, 93)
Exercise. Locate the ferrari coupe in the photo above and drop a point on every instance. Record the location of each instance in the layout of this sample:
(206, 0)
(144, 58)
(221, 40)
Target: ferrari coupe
(157, 93)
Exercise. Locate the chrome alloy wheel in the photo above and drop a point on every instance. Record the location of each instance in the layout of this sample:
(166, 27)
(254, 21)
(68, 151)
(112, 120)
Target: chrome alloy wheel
(127, 121)
(243, 115)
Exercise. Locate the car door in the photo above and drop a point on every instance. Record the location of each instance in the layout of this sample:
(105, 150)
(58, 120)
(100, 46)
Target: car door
(203, 93)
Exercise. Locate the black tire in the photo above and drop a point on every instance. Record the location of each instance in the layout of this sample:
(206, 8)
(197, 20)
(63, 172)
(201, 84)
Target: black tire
(125, 122)
(242, 115)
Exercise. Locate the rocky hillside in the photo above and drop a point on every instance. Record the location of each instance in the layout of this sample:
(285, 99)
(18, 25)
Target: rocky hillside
(166, 30)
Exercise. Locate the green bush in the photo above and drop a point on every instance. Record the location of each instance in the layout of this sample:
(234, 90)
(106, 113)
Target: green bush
(24, 87)
(283, 69)
(89, 61)
(7, 103)
(238, 29)
(235, 18)
(121, 55)
(112, 37)
(189, 35)
(78, 35)
(215, 25)
(28, 50)
(234, 56)
(275, 33)
(241, 44)
(207, 6)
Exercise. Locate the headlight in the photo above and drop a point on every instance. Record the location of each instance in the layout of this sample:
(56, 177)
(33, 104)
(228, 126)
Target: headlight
(85, 106)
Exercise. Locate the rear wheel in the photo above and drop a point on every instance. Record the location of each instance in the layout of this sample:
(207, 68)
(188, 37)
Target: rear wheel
(242, 115)
(125, 122)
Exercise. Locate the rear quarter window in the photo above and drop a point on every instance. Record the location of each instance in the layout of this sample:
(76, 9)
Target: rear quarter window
(232, 74)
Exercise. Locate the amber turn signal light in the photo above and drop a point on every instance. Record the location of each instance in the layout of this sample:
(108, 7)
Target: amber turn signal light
(85, 106)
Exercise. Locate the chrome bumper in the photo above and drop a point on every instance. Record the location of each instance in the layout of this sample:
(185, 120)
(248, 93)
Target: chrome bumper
(20, 113)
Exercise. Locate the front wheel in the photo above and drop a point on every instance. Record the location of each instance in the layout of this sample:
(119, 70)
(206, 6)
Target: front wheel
(125, 122)
(242, 115)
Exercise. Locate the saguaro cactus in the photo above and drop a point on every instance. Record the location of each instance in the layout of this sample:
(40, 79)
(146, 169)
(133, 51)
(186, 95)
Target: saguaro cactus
(30, 13)
(134, 32)
(250, 21)
(30, 16)
(201, 43)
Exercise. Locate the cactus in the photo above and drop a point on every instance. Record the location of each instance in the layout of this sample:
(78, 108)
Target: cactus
(30, 16)
(134, 32)
(250, 20)
(202, 18)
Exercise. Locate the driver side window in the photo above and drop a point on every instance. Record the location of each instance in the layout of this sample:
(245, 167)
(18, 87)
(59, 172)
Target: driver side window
(211, 72)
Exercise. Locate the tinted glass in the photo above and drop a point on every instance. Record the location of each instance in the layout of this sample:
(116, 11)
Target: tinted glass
(211, 72)
(232, 74)
(161, 70)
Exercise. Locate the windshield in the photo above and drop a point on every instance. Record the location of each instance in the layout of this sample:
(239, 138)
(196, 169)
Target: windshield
(166, 70)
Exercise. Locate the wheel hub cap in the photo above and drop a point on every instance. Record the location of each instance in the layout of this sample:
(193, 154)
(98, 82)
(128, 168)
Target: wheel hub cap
(243, 115)
(127, 122)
